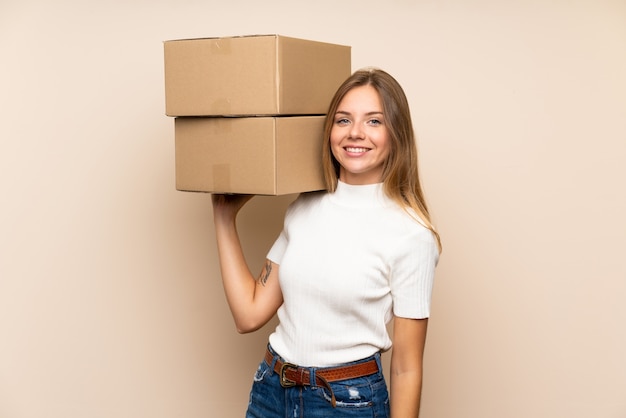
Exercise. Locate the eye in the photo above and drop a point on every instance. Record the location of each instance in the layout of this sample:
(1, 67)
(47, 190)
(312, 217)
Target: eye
(375, 122)
(342, 121)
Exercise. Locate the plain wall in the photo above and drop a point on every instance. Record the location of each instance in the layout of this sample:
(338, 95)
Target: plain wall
(111, 303)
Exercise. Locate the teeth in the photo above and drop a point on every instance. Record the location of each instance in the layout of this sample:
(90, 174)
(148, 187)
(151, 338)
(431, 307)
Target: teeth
(353, 149)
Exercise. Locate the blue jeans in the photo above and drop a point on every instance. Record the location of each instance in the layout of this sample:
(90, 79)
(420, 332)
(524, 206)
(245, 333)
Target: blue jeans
(365, 396)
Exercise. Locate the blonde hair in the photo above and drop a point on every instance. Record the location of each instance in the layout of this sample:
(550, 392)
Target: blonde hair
(400, 176)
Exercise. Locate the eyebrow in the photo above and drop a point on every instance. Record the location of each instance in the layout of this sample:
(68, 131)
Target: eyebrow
(344, 112)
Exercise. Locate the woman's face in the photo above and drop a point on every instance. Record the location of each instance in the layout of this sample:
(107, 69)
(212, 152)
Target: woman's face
(359, 138)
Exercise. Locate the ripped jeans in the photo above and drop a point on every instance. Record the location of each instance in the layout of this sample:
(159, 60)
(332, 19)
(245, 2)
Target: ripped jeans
(365, 396)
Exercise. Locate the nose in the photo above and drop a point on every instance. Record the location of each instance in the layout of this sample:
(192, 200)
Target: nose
(356, 131)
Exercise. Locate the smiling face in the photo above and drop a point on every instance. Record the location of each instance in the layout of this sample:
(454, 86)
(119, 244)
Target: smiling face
(359, 138)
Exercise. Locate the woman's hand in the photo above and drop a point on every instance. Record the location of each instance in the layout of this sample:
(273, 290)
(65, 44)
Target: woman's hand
(226, 206)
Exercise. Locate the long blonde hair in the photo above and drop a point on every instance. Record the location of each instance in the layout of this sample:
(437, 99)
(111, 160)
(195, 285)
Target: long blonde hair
(400, 177)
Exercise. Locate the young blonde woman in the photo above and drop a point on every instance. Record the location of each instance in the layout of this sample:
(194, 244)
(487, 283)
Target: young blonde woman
(348, 261)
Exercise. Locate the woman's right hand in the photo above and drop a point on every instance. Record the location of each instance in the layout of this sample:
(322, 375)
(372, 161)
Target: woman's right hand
(226, 206)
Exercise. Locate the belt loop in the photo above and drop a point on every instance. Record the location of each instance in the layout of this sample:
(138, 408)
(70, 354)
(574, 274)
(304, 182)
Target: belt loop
(273, 364)
(274, 359)
(379, 362)
(312, 377)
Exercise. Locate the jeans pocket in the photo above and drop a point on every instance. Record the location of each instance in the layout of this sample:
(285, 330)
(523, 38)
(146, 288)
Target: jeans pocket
(354, 393)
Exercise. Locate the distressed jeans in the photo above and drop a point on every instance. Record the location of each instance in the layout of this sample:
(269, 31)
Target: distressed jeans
(361, 397)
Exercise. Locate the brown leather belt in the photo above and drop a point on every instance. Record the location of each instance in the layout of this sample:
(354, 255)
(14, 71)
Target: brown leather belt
(293, 375)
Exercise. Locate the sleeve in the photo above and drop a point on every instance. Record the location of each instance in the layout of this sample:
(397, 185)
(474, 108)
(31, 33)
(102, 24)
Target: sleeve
(413, 273)
(277, 251)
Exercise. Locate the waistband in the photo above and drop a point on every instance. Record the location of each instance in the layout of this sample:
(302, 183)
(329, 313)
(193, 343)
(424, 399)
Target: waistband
(294, 375)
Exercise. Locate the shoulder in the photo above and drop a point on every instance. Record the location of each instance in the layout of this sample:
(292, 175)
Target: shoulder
(304, 202)
(411, 235)
(308, 198)
(407, 223)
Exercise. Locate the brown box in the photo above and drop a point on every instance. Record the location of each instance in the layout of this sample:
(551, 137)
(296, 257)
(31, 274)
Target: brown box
(256, 155)
(252, 75)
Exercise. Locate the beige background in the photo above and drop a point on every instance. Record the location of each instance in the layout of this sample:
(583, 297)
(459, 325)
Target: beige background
(110, 299)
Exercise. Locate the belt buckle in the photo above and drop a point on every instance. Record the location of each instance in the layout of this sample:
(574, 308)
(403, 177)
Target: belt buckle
(284, 382)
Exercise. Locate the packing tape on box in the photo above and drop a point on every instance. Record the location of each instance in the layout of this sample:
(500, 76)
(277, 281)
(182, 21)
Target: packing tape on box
(221, 46)
(221, 107)
(221, 176)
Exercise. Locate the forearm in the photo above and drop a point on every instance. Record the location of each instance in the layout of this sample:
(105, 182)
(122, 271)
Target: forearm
(406, 389)
(409, 337)
(239, 283)
(252, 302)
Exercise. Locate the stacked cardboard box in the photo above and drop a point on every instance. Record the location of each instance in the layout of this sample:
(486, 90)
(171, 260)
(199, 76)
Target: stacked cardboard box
(250, 110)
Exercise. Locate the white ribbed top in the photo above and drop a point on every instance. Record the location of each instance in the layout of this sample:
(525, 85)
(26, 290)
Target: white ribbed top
(348, 261)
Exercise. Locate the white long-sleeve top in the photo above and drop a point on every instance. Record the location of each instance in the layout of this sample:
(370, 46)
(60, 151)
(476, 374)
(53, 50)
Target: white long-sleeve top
(349, 261)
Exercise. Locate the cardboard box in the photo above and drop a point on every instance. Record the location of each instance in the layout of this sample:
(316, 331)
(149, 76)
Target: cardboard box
(256, 155)
(252, 75)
